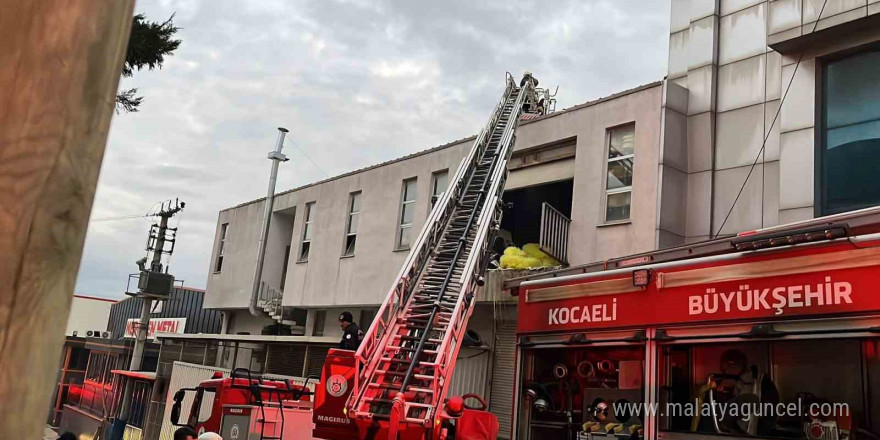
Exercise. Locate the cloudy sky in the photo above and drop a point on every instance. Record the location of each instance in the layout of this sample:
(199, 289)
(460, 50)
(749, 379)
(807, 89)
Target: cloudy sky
(356, 82)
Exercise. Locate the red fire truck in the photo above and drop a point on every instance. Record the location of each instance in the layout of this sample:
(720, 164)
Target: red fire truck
(247, 407)
(770, 334)
(395, 385)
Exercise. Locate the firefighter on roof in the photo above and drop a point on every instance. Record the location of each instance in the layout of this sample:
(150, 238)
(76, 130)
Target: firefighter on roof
(352, 335)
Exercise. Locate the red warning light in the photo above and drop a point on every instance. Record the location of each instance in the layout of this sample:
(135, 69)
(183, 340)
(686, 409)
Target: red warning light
(641, 277)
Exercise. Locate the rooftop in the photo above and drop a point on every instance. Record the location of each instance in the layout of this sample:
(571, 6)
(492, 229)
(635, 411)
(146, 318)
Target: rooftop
(456, 142)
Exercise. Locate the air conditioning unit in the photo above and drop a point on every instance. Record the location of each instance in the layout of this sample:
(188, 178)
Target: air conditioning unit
(105, 335)
(90, 333)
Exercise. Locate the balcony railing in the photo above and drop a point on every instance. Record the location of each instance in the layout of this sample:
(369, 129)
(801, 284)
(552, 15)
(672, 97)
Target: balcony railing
(554, 233)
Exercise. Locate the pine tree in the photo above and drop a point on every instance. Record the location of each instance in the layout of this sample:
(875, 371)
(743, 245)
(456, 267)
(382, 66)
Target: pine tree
(148, 45)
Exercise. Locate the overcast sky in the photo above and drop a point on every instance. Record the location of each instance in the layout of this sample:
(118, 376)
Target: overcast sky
(357, 82)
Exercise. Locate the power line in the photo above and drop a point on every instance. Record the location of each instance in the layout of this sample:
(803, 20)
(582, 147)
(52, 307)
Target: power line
(309, 158)
(770, 130)
(124, 217)
(151, 213)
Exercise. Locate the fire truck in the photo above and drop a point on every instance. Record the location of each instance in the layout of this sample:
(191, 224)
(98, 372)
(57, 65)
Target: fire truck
(395, 386)
(245, 406)
(773, 333)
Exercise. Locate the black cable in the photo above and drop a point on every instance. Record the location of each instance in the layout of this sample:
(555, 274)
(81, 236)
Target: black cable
(767, 136)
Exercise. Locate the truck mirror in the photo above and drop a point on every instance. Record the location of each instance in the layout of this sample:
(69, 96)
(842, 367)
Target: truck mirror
(175, 413)
(175, 409)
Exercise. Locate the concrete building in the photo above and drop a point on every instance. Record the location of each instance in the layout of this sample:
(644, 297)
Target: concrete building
(699, 168)
(318, 264)
(323, 267)
(88, 313)
(737, 59)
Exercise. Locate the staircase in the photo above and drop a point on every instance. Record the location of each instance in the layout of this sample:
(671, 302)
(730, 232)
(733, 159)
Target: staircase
(407, 357)
(269, 301)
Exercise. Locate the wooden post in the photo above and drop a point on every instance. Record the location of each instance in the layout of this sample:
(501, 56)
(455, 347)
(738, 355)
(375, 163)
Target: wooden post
(60, 62)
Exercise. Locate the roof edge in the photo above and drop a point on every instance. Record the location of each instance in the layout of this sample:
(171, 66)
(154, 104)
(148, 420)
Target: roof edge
(456, 142)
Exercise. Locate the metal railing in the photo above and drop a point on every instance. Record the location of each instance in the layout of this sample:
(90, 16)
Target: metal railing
(554, 233)
(269, 300)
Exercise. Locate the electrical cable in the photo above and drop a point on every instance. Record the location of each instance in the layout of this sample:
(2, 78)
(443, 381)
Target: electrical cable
(124, 217)
(307, 157)
(769, 130)
(149, 213)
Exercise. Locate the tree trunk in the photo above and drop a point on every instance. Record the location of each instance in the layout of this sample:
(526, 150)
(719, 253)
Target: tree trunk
(60, 63)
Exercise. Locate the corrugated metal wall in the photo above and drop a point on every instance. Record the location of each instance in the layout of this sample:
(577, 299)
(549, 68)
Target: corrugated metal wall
(184, 375)
(471, 373)
(501, 401)
(183, 303)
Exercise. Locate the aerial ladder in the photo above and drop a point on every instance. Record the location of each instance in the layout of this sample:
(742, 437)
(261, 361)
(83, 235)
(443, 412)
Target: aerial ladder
(395, 386)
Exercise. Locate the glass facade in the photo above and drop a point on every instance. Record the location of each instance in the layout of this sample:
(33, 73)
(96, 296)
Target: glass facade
(850, 133)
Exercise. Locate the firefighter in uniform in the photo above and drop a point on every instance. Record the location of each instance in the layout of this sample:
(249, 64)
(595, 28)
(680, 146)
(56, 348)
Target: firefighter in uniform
(352, 335)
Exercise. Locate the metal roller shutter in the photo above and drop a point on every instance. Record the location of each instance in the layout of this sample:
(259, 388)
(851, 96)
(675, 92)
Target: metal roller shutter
(287, 360)
(501, 400)
(316, 358)
(470, 373)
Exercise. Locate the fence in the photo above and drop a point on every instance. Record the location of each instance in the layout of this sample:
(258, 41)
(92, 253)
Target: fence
(554, 233)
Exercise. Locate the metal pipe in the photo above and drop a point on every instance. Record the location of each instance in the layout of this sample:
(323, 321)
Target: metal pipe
(276, 157)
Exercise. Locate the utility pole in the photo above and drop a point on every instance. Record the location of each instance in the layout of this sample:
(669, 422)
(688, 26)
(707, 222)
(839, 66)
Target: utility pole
(276, 157)
(152, 283)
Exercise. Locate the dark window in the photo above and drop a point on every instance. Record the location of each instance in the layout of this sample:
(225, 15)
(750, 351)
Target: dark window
(318, 328)
(367, 317)
(284, 267)
(222, 247)
(850, 133)
(307, 233)
(351, 229)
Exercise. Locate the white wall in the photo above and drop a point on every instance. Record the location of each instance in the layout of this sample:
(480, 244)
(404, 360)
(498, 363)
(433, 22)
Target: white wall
(720, 50)
(330, 280)
(87, 313)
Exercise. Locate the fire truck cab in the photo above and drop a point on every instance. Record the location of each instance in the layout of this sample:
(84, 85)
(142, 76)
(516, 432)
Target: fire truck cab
(246, 407)
(771, 334)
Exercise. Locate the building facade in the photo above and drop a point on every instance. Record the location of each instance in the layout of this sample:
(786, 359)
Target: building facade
(339, 244)
(88, 314)
(740, 61)
(324, 265)
(769, 115)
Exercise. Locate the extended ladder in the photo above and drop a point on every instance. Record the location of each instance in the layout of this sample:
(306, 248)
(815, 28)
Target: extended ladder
(408, 354)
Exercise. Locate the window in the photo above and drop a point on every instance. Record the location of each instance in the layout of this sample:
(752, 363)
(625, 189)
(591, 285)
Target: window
(307, 233)
(351, 229)
(366, 318)
(206, 403)
(781, 381)
(284, 267)
(318, 328)
(618, 183)
(439, 183)
(219, 264)
(850, 133)
(407, 211)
